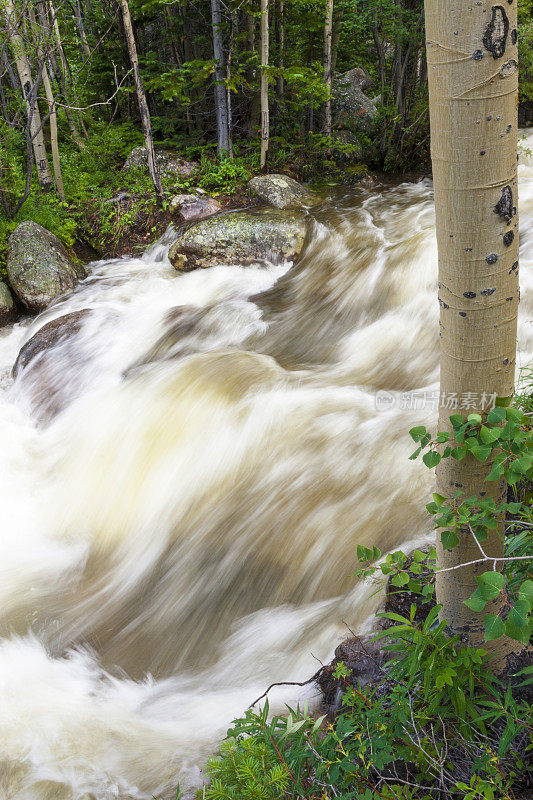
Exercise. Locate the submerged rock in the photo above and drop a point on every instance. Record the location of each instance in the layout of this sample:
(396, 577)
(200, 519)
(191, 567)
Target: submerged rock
(167, 161)
(50, 368)
(39, 266)
(240, 238)
(8, 311)
(190, 207)
(281, 191)
(49, 336)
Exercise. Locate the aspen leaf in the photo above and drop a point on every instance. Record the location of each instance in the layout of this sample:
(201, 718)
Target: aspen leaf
(490, 584)
(431, 459)
(494, 627)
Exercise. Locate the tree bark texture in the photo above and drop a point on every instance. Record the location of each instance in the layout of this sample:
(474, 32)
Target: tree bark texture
(473, 82)
(265, 121)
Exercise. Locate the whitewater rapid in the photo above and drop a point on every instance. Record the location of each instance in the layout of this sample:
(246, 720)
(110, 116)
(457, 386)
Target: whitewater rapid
(182, 533)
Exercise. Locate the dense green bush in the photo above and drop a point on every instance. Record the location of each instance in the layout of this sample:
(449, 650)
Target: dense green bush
(436, 723)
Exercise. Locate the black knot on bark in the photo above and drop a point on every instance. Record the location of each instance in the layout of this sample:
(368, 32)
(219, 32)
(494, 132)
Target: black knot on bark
(504, 207)
(495, 36)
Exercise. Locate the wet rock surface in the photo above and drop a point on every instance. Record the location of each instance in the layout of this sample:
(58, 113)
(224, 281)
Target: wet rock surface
(39, 266)
(49, 336)
(240, 238)
(39, 370)
(281, 191)
(8, 311)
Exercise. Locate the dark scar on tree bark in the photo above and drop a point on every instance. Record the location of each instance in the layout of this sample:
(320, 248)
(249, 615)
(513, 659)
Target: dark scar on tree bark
(469, 295)
(487, 292)
(508, 238)
(495, 36)
(514, 36)
(492, 258)
(514, 267)
(504, 206)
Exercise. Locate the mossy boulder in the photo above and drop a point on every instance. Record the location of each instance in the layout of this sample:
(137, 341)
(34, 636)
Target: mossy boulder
(39, 266)
(192, 207)
(353, 111)
(168, 162)
(240, 238)
(8, 311)
(281, 191)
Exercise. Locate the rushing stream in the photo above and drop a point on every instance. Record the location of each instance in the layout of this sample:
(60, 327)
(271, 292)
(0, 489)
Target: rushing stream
(181, 531)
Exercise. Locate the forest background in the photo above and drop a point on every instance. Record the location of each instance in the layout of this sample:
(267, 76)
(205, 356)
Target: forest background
(344, 84)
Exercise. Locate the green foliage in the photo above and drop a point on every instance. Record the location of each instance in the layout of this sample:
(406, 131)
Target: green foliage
(436, 723)
(245, 768)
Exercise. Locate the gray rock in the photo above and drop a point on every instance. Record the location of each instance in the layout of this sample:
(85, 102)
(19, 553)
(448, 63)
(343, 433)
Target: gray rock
(167, 161)
(352, 110)
(190, 207)
(240, 238)
(39, 266)
(281, 191)
(51, 369)
(49, 336)
(8, 311)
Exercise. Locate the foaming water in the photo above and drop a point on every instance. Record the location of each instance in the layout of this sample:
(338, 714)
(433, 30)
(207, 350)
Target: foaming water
(179, 525)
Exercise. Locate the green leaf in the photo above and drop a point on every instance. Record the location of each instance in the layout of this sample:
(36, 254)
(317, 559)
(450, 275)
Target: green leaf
(481, 452)
(417, 433)
(518, 615)
(476, 602)
(490, 584)
(494, 627)
(415, 454)
(449, 539)
(525, 592)
(431, 459)
(401, 579)
(496, 416)
(442, 437)
(515, 415)
(488, 435)
(439, 499)
(475, 419)
(458, 453)
(503, 402)
(456, 420)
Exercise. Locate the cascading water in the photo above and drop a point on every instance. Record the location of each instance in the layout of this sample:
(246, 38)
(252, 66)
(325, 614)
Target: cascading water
(184, 482)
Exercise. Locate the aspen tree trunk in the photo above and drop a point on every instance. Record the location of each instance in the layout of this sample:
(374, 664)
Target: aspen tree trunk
(328, 31)
(141, 99)
(64, 75)
(44, 175)
(221, 98)
(335, 38)
(52, 115)
(281, 80)
(265, 122)
(473, 82)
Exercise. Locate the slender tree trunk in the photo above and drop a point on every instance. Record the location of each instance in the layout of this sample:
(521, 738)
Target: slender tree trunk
(81, 29)
(473, 83)
(335, 38)
(281, 79)
(221, 98)
(265, 122)
(328, 31)
(141, 99)
(64, 75)
(233, 29)
(52, 115)
(36, 133)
